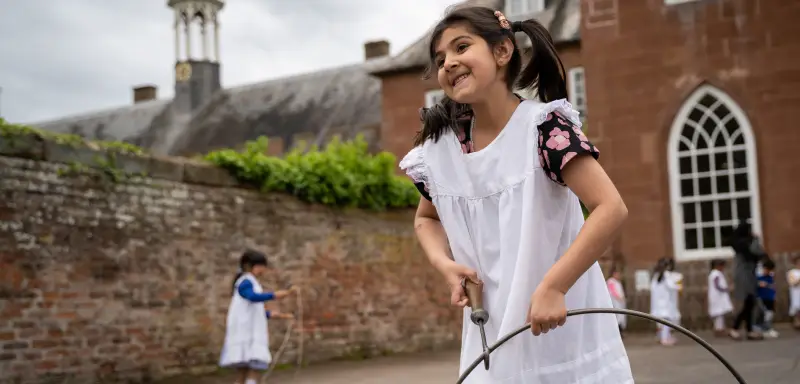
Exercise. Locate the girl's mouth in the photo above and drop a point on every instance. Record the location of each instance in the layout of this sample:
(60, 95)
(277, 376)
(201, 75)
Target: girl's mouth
(459, 79)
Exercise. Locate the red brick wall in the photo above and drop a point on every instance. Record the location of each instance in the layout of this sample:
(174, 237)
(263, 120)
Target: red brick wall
(105, 282)
(642, 59)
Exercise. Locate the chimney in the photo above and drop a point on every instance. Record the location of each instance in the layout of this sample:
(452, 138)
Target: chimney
(144, 93)
(373, 49)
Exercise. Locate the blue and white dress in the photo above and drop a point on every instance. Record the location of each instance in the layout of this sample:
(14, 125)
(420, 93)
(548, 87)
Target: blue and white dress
(247, 335)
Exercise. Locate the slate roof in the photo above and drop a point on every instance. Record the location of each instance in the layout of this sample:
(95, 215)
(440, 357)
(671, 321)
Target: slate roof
(561, 17)
(312, 106)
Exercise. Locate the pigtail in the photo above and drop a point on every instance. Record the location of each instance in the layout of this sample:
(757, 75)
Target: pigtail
(444, 115)
(235, 279)
(544, 71)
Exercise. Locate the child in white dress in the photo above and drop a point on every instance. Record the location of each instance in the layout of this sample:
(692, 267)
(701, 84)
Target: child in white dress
(493, 171)
(719, 298)
(247, 338)
(793, 278)
(617, 296)
(664, 289)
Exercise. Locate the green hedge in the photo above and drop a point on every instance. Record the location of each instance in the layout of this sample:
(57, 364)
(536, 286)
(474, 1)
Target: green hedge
(342, 174)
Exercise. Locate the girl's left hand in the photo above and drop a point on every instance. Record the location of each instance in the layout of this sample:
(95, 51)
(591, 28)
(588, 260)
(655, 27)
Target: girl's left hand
(548, 310)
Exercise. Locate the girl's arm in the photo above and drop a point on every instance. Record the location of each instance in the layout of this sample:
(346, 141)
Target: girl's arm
(431, 235)
(246, 291)
(587, 179)
(718, 284)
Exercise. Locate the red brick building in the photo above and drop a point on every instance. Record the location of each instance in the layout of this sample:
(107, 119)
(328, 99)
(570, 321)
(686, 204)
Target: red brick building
(692, 103)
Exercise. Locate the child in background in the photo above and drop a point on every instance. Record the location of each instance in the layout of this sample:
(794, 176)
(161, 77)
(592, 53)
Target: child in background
(617, 296)
(247, 337)
(766, 297)
(793, 278)
(663, 289)
(719, 299)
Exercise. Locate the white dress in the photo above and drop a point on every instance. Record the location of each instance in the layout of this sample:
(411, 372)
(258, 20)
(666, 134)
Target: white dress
(663, 297)
(719, 302)
(246, 335)
(794, 291)
(615, 285)
(505, 218)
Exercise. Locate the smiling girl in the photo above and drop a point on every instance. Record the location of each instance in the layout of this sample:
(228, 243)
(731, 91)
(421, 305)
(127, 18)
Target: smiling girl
(500, 179)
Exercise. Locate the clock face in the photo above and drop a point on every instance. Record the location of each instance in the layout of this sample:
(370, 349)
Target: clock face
(183, 71)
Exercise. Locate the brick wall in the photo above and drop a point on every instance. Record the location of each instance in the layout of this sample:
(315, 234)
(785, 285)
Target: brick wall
(643, 58)
(102, 280)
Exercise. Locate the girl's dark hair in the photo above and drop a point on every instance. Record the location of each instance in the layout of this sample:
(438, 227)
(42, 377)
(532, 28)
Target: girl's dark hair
(250, 258)
(662, 266)
(717, 263)
(544, 71)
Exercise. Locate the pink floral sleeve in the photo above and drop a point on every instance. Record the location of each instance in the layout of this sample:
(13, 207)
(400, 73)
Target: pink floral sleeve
(560, 141)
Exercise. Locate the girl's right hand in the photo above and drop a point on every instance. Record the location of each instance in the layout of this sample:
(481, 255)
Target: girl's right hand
(454, 274)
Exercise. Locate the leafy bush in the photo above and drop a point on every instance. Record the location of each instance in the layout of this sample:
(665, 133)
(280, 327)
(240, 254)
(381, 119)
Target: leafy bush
(343, 174)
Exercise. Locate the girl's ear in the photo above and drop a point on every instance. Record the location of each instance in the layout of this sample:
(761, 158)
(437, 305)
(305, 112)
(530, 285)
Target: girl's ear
(503, 52)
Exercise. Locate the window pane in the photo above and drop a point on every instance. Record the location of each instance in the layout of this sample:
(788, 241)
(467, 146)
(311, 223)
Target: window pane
(709, 238)
(690, 238)
(739, 159)
(721, 161)
(740, 182)
(685, 165)
(743, 208)
(704, 186)
(687, 187)
(689, 215)
(703, 163)
(707, 212)
(725, 234)
(723, 183)
(725, 211)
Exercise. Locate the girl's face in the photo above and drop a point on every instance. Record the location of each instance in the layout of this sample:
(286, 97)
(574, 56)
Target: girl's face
(467, 66)
(258, 270)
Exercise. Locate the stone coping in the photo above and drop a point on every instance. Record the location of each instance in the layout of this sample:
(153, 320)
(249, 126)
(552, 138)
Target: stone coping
(176, 169)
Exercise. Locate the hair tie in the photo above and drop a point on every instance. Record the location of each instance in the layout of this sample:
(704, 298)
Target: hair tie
(503, 21)
(516, 26)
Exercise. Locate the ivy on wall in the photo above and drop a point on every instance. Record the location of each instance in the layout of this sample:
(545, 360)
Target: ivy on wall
(342, 174)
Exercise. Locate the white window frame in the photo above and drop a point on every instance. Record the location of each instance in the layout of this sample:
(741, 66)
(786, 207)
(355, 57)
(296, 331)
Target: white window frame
(673, 157)
(433, 97)
(676, 2)
(572, 88)
(528, 7)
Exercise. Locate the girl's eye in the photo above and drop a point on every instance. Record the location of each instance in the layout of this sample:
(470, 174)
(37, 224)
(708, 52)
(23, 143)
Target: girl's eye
(439, 63)
(461, 48)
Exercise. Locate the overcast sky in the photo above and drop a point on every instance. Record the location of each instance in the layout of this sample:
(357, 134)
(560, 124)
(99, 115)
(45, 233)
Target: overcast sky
(61, 57)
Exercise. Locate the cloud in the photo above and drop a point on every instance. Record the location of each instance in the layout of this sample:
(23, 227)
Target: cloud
(69, 57)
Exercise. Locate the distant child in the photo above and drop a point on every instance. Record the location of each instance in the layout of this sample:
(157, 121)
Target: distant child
(617, 296)
(719, 298)
(664, 290)
(793, 278)
(247, 338)
(766, 297)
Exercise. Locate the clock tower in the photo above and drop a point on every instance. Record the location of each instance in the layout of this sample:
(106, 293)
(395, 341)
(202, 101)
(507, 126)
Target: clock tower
(197, 59)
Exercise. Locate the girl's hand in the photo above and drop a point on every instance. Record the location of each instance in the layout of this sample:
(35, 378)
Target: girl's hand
(454, 274)
(548, 310)
(284, 316)
(280, 294)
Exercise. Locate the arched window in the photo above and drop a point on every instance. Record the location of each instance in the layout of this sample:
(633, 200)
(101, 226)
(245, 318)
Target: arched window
(712, 173)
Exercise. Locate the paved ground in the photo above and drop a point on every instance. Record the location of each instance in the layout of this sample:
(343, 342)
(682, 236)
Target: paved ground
(760, 362)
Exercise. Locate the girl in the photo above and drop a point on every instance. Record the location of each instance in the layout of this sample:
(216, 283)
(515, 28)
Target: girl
(663, 303)
(719, 299)
(493, 171)
(247, 339)
(793, 278)
(617, 296)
